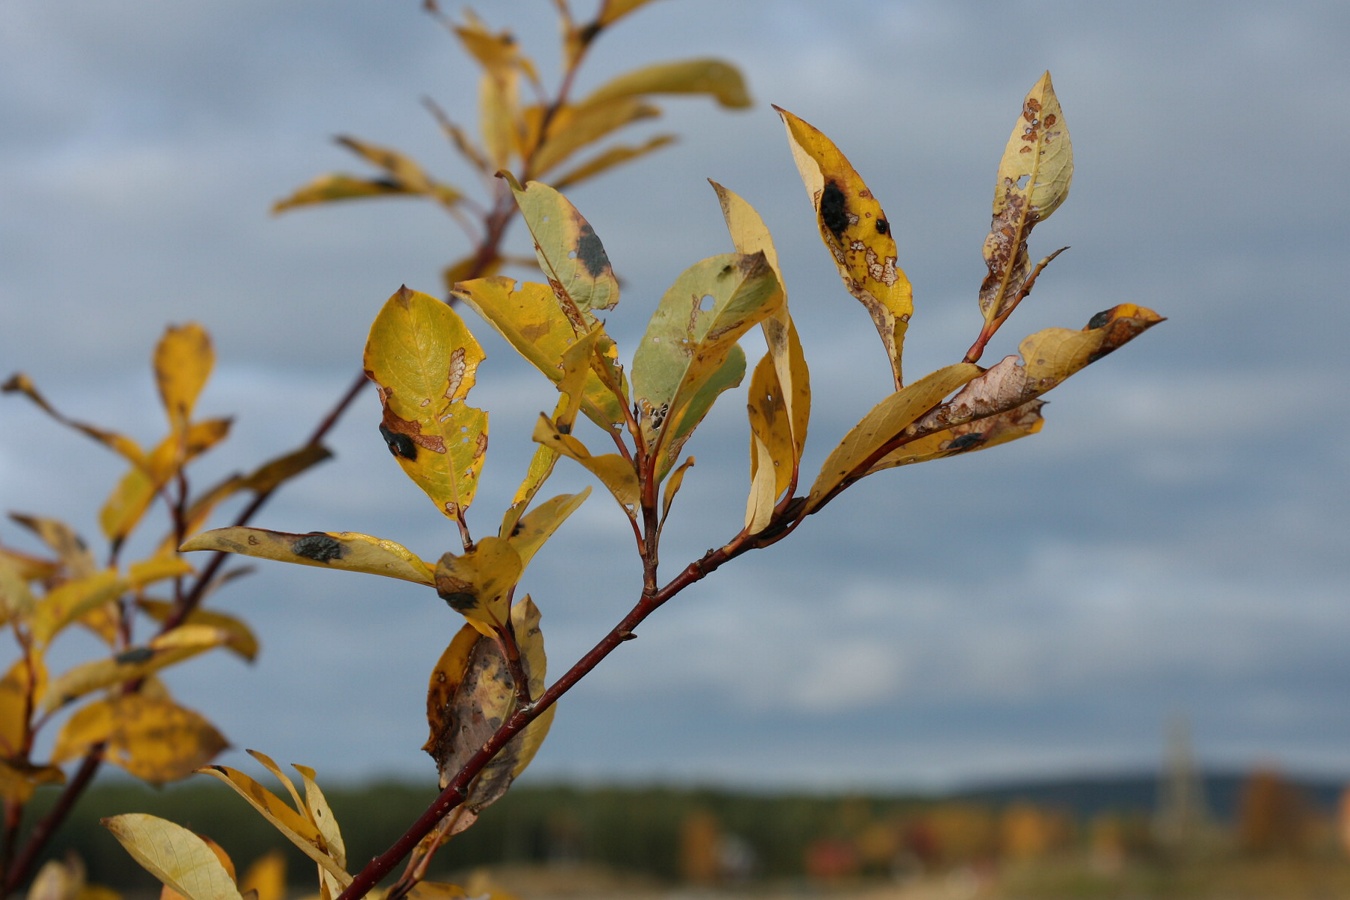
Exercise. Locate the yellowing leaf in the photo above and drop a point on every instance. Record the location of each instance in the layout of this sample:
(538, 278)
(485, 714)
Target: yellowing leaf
(16, 600)
(242, 641)
(1033, 180)
(70, 600)
(609, 158)
(574, 127)
(174, 855)
(18, 782)
(316, 805)
(169, 648)
(156, 568)
(344, 550)
(336, 186)
(866, 442)
(183, 363)
(672, 487)
(153, 738)
(402, 170)
(979, 434)
(275, 472)
(479, 582)
(423, 360)
(471, 694)
(613, 10)
(614, 472)
(20, 690)
(295, 827)
(265, 877)
(773, 457)
(536, 324)
(569, 252)
(713, 77)
(689, 353)
(857, 234)
(69, 547)
(124, 446)
(1047, 358)
(536, 527)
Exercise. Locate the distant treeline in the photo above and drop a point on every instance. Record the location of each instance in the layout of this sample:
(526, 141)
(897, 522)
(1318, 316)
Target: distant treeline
(625, 828)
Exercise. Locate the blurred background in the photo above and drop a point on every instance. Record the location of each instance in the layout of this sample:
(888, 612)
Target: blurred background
(1171, 548)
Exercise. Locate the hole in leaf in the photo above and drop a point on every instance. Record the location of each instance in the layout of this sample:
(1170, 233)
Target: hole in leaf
(1023, 181)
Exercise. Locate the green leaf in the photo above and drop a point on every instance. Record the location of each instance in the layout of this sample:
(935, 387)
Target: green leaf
(423, 360)
(343, 550)
(689, 353)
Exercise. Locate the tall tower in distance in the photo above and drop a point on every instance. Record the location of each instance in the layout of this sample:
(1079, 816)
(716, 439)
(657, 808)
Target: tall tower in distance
(1182, 818)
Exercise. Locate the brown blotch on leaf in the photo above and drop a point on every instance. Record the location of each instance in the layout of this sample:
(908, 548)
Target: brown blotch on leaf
(317, 547)
(133, 656)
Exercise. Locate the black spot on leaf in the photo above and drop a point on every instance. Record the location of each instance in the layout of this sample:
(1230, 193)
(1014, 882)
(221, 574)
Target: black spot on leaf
(461, 601)
(134, 655)
(318, 547)
(965, 442)
(883, 227)
(1101, 319)
(833, 209)
(399, 444)
(590, 252)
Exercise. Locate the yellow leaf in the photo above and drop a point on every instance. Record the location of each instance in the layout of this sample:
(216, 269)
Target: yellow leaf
(857, 233)
(478, 583)
(614, 472)
(423, 361)
(316, 805)
(265, 878)
(403, 170)
(609, 158)
(71, 600)
(20, 691)
(613, 10)
(750, 235)
(673, 487)
(153, 738)
(172, 647)
(773, 455)
(499, 115)
(156, 568)
(120, 444)
(61, 880)
(177, 857)
(532, 320)
(536, 527)
(336, 186)
(296, 828)
(437, 890)
(69, 547)
(1033, 180)
(866, 442)
(575, 127)
(18, 782)
(277, 471)
(183, 363)
(242, 640)
(344, 550)
(713, 77)
(16, 600)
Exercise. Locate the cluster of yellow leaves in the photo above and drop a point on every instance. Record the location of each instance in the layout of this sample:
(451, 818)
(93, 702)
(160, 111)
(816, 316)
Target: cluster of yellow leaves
(524, 130)
(198, 868)
(124, 709)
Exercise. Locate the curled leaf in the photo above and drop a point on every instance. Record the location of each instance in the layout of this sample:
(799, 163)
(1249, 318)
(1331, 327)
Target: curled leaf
(479, 582)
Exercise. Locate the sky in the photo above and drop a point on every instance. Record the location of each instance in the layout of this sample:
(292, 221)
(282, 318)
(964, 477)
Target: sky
(1171, 546)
